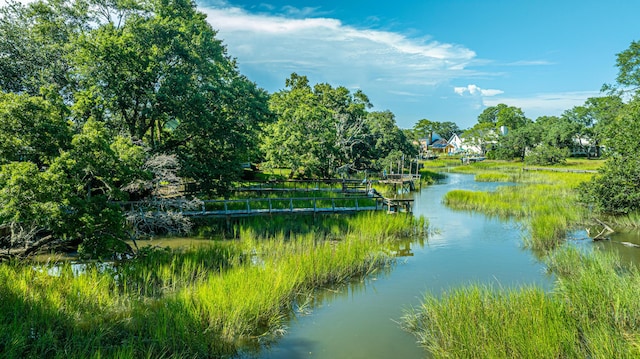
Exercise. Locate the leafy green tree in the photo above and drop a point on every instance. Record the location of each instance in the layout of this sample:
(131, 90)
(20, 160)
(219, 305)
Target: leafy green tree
(557, 131)
(503, 115)
(36, 41)
(157, 72)
(545, 155)
(30, 204)
(446, 129)
(594, 120)
(32, 129)
(302, 138)
(96, 169)
(389, 143)
(616, 188)
(516, 143)
(628, 63)
(426, 128)
(318, 129)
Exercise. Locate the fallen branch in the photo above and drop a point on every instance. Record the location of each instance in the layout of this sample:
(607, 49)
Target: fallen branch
(606, 230)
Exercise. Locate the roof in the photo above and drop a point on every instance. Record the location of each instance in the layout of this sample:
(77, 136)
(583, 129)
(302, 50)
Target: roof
(441, 143)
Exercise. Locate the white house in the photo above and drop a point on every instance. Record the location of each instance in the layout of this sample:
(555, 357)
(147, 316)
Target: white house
(459, 145)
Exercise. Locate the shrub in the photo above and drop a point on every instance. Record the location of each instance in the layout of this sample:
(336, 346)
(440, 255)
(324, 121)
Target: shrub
(545, 155)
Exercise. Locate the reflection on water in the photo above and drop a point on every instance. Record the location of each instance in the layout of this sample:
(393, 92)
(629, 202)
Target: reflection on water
(360, 320)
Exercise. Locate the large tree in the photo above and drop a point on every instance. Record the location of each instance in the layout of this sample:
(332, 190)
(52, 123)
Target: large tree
(482, 135)
(389, 143)
(616, 188)
(160, 74)
(90, 91)
(32, 129)
(36, 42)
(594, 120)
(318, 129)
(502, 115)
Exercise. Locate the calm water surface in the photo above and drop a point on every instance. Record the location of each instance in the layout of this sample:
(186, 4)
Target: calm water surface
(361, 320)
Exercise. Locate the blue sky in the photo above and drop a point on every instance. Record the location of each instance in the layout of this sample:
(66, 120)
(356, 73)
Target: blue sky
(440, 60)
(444, 60)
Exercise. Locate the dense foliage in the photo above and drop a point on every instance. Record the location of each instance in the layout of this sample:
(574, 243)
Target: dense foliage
(90, 92)
(104, 102)
(322, 131)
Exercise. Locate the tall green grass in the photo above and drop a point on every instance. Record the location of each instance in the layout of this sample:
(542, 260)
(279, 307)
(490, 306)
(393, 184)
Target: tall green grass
(209, 301)
(481, 322)
(430, 177)
(631, 220)
(494, 177)
(593, 312)
(545, 202)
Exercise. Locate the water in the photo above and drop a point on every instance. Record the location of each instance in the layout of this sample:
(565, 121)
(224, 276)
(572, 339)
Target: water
(360, 320)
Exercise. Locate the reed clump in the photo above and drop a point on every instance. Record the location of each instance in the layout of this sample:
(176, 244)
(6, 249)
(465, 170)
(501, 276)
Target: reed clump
(592, 312)
(481, 322)
(494, 177)
(209, 301)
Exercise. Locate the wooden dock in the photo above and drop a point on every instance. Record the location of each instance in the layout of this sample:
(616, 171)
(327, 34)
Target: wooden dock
(328, 185)
(299, 205)
(405, 181)
(234, 208)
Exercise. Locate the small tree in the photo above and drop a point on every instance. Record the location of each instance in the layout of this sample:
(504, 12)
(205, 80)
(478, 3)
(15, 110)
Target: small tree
(545, 155)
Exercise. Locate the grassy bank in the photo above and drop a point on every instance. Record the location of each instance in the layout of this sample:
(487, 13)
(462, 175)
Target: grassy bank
(593, 312)
(198, 303)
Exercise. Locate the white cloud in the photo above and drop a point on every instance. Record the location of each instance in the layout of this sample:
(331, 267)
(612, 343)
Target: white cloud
(327, 50)
(475, 90)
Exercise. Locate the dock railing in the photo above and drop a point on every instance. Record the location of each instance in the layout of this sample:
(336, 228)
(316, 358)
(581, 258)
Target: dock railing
(266, 206)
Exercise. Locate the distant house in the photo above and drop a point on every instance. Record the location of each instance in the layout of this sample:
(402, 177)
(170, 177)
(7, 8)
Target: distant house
(441, 146)
(583, 146)
(455, 145)
(426, 145)
(459, 145)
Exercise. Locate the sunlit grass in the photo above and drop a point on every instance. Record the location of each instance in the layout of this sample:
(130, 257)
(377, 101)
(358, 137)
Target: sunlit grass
(441, 162)
(481, 322)
(205, 301)
(593, 312)
(494, 177)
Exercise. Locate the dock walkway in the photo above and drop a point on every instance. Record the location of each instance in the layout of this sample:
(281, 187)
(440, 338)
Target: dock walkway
(233, 208)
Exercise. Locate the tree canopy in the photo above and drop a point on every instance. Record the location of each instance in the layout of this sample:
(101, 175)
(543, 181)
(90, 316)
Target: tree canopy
(322, 130)
(89, 90)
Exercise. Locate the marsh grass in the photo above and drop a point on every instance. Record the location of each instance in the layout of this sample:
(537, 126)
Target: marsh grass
(629, 221)
(593, 312)
(494, 177)
(441, 162)
(202, 302)
(544, 201)
(429, 177)
(481, 322)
